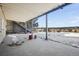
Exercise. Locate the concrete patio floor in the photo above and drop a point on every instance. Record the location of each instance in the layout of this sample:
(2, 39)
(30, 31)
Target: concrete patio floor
(39, 47)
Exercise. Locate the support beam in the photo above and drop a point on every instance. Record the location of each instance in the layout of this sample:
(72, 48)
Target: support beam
(52, 10)
(46, 28)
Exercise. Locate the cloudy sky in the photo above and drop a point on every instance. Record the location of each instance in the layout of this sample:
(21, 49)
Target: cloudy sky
(66, 17)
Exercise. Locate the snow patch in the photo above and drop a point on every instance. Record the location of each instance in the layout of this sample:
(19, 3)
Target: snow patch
(72, 34)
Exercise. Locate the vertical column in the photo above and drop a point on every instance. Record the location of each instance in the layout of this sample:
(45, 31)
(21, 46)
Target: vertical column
(32, 22)
(46, 28)
(26, 27)
(13, 26)
(2, 24)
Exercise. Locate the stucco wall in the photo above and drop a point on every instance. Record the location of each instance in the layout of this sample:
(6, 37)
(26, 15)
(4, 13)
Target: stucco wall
(2, 26)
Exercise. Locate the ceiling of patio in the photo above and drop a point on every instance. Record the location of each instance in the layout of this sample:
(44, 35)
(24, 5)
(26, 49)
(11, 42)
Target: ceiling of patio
(23, 12)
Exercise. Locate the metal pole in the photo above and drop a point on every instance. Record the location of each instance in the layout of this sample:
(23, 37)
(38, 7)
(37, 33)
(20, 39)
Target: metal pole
(46, 28)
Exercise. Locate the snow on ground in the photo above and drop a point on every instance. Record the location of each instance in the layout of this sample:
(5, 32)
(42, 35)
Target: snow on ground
(14, 38)
(72, 34)
(67, 38)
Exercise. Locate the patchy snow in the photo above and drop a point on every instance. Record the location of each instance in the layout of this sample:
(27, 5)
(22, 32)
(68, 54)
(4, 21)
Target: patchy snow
(72, 34)
(67, 38)
(14, 38)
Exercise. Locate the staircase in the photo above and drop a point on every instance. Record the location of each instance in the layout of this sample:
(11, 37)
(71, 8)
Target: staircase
(20, 28)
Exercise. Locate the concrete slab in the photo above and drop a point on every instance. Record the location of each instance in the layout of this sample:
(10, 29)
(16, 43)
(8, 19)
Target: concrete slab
(39, 47)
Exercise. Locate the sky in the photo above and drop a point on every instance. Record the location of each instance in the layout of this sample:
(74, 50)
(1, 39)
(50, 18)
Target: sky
(66, 17)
